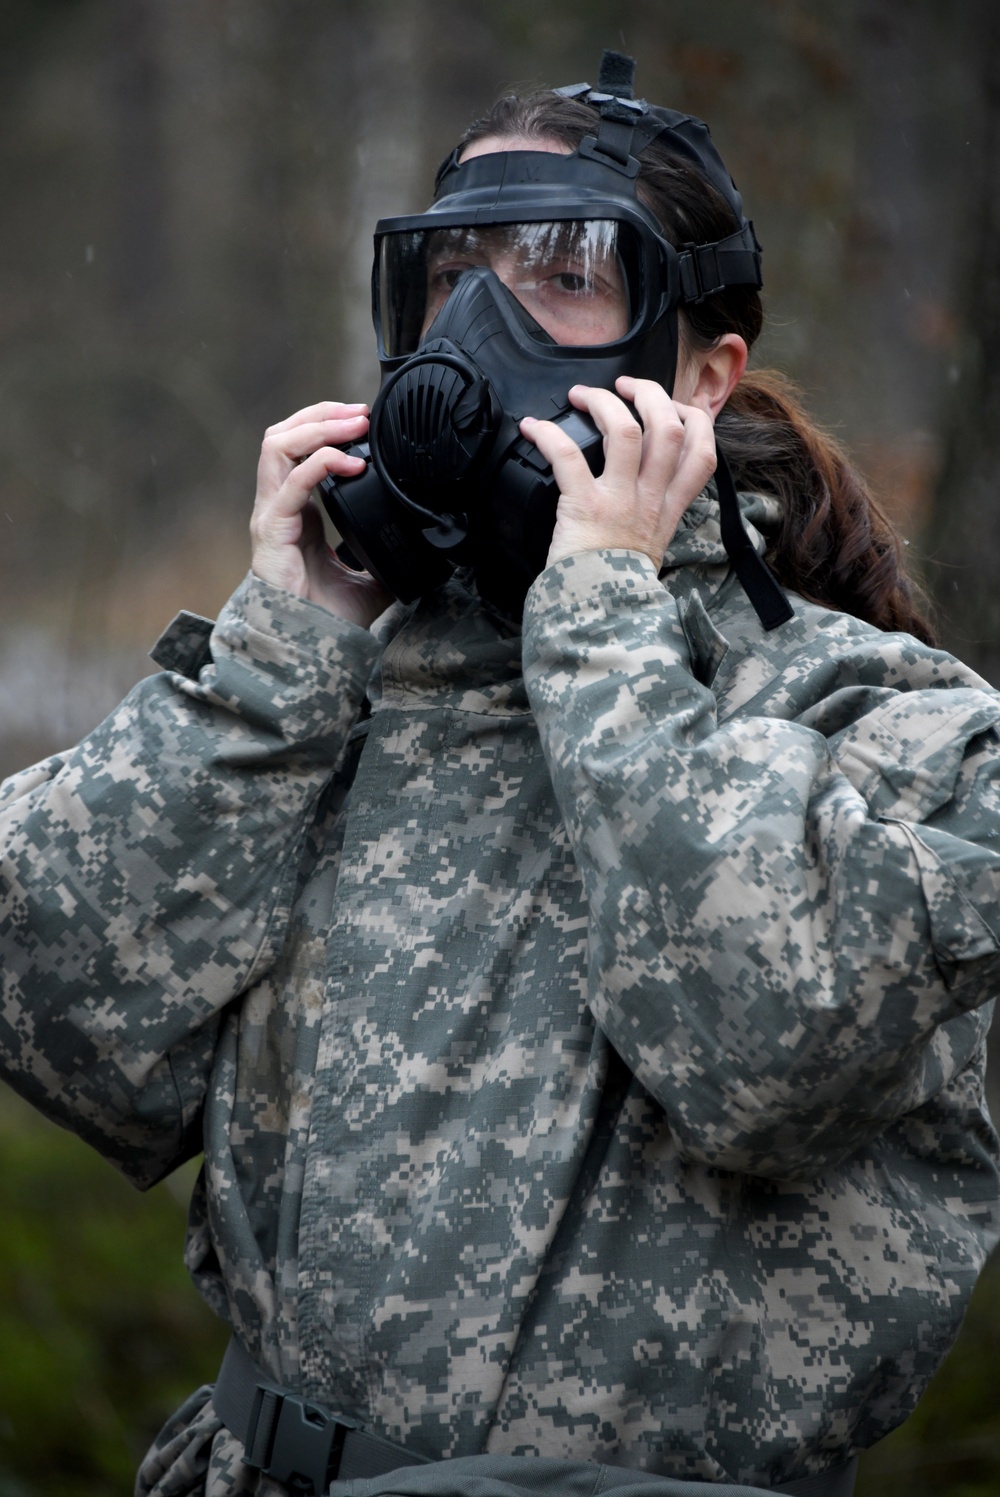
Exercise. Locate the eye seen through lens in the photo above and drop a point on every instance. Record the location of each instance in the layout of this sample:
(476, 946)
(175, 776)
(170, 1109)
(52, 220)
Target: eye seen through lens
(567, 275)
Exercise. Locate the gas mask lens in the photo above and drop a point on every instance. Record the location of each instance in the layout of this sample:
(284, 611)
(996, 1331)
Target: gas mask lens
(578, 279)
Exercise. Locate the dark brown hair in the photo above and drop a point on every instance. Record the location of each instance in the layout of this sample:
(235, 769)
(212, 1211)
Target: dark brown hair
(835, 546)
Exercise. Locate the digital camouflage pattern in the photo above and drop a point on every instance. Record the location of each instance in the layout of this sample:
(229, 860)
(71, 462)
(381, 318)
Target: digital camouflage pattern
(585, 1037)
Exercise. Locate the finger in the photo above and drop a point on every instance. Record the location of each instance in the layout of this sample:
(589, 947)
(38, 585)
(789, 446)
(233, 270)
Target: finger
(699, 456)
(663, 430)
(282, 449)
(299, 441)
(559, 450)
(680, 438)
(276, 506)
(623, 436)
(324, 410)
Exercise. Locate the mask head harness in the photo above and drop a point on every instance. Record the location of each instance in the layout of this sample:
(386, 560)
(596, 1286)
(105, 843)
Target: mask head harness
(532, 271)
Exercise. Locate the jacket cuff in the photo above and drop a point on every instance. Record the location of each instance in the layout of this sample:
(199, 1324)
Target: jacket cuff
(289, 675)
(591, 583)
(269, 623)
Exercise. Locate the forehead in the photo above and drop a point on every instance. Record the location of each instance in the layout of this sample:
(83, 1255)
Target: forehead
(536, 237)
(492, 145)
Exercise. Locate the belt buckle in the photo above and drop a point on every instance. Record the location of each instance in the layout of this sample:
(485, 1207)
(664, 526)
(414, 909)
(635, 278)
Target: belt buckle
(305, 1446)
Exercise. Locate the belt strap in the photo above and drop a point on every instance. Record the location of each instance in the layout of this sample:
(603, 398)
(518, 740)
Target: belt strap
(293, 1440)
(305, 1447)
(836, 1483)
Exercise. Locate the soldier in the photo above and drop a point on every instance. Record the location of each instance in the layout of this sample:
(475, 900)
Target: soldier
(577, 971)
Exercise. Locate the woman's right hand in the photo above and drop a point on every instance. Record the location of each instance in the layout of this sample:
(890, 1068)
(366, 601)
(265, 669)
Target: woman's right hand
(289, 549)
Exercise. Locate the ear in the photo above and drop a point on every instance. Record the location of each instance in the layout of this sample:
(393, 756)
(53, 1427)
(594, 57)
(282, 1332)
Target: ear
(710, 378)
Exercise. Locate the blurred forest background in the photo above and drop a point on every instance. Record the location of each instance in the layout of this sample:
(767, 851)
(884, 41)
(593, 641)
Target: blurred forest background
(187, 193)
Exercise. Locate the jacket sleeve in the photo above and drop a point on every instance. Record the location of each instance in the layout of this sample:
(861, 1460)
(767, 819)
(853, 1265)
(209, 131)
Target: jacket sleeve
(787, 956)
(143, 875)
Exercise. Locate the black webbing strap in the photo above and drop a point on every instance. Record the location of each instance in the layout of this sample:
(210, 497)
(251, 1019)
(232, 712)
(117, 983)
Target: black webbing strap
(305, 1448)
(708, 268)
(617, 74)
(292, 1439)
(756, 578)
(838, 1483)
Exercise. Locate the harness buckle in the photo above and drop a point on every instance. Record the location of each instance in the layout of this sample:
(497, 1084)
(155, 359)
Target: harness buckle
(295, 1442)
(701, 273)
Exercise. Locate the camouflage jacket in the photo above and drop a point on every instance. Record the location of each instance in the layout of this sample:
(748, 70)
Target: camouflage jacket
(584, 1031)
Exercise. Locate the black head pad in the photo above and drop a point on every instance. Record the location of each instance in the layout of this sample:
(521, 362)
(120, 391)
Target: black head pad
(629, 124)
(617, 75)
(626, 127)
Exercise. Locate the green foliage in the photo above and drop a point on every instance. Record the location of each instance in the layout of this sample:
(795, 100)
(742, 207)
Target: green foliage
(101, 1332)
(951, 1445)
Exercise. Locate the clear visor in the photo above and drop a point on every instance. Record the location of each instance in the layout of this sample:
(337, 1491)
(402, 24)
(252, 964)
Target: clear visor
(578, 278)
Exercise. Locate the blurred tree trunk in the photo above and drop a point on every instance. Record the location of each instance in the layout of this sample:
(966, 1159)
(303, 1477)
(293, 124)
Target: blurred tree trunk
(137, 234)
(902, 252)
(963, 541)
(390, 126)
(141, 209)
(140, 228)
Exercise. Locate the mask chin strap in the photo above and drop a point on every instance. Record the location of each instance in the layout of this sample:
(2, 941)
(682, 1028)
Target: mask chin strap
(768, 598)
(627, 126)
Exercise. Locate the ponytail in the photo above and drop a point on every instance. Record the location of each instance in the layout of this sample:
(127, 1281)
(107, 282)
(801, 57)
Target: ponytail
(835, 546)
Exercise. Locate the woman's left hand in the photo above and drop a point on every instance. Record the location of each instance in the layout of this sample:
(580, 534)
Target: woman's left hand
(651, 472)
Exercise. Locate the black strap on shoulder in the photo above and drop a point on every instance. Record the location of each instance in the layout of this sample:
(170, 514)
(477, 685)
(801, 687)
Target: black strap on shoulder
(768, 598)
(295, 1441)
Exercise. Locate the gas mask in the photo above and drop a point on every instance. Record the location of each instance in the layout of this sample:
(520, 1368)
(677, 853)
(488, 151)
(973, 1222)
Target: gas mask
(531, 272)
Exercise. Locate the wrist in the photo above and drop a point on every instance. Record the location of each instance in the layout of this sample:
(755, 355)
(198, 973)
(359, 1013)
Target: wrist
(580, 541)
(594, 580)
